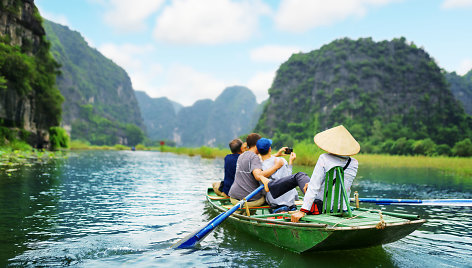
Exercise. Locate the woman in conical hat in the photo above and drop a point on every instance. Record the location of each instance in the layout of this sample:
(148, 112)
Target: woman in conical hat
(339, 145)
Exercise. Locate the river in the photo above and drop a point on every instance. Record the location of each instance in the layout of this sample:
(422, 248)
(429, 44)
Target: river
(123, 208)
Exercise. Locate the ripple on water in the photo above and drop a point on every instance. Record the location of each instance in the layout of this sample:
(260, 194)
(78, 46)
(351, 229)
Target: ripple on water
(127, 208)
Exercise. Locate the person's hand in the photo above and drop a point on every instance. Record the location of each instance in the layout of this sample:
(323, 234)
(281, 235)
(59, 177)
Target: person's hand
(292, 158)
(305, 188)
(265, 181)
(281, 152)
(295, 217)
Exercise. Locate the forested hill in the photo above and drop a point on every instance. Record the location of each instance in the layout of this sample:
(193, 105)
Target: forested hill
(461, 87)
(30, 103)
(391, 95)
(100, 105)
(206, 122)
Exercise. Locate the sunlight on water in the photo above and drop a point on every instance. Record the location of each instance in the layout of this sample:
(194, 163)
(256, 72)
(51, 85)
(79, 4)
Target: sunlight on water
(127, 208)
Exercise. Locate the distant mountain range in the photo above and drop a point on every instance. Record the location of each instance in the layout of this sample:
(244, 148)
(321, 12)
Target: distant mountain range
(206, 122)
(100, 105)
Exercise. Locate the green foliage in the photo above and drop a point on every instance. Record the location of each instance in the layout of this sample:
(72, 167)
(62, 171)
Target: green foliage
(134, 134)
(424, 147)
(463, 148)
(20, 145)
(58, 138)
(102, 131)
(390, 95)
(100, 98)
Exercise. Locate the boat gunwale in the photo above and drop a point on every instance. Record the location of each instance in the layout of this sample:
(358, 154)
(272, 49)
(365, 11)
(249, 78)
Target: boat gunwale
(321, 226)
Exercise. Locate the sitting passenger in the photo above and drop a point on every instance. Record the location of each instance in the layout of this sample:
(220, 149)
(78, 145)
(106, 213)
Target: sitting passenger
(221, 188)
(340, 145)
(285, 202)
(249, 173)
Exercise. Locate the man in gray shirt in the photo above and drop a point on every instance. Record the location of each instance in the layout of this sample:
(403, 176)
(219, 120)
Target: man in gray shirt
(249, 173)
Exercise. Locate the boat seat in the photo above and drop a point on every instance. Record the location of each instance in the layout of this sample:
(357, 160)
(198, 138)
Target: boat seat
(297, 202)
(334, 200)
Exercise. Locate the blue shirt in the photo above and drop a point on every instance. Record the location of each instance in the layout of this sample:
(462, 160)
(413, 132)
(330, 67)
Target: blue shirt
(230, 171)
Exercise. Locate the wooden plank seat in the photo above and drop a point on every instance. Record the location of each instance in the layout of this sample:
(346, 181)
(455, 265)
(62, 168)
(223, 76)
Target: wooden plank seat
(298, 203)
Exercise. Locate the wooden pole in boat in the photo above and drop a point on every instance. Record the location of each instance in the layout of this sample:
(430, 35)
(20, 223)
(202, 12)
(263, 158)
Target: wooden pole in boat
(356, 197)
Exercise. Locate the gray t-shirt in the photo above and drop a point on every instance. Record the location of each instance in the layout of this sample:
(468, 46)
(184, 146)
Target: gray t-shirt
(244, 181)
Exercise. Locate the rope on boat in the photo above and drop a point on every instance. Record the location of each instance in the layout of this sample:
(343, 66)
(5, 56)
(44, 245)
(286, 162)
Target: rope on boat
(381, 225)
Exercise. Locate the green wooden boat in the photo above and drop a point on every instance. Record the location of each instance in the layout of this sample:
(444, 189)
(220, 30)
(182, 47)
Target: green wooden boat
(356, 228)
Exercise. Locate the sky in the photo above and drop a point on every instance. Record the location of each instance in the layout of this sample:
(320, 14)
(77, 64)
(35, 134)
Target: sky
(187, 50)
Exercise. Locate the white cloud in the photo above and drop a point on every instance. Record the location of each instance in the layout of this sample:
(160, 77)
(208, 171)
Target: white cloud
(57, 18)
(302, 15)
(273, 53)
(126, 55)
(209, 21)
(129, 16)
(260, 84)
(451, 4)
(465, 66)
(186, 85)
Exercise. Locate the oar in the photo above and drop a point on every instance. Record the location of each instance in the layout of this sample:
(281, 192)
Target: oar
(417, 202)
(197, 236)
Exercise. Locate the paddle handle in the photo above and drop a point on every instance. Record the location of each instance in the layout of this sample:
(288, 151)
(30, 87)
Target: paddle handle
(194, 239)
(220, 218)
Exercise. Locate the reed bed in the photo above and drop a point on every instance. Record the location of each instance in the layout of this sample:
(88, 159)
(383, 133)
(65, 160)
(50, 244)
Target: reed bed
(308, 153)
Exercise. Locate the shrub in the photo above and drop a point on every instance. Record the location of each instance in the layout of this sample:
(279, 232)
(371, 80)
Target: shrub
(443, 149)
(463, 148)
(58, 138)
(120, 147)
(424, 147)
(20, 145)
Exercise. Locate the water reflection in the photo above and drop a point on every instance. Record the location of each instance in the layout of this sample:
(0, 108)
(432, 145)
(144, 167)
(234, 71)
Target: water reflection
(127, 208)
(28, 208)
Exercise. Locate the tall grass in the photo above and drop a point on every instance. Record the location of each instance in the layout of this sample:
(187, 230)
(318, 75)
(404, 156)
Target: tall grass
(85, 145)
(308, 153)
(203, 151)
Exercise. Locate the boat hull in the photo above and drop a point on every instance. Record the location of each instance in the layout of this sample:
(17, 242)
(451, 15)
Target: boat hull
(299, 238)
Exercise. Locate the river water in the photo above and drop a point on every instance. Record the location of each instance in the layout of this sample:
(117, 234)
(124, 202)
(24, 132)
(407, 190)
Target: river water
(108, 209)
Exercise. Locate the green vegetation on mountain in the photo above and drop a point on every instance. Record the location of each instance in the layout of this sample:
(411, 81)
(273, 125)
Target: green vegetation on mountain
(30, 103)
(206, 122)
(100, 106)
(461, 87)
(391, 95)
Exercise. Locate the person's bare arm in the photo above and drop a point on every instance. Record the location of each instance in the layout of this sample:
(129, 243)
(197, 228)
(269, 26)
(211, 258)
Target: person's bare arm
(278, 163)
(258, 175)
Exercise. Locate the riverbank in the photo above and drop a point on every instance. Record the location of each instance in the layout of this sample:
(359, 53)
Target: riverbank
(13, 158)
(308, 153)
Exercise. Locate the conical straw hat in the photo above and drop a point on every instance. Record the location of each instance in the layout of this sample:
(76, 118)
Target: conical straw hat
(338, 141)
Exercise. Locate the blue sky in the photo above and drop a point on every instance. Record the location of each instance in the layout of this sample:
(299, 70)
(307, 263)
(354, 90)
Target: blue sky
(188, 50)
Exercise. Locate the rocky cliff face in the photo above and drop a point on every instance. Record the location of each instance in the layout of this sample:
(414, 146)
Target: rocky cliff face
(28, 99)
(461, 87)
(96, 90)
(378, 90)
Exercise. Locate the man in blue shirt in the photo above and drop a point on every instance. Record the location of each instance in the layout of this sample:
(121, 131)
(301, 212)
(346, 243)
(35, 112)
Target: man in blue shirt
(221, 188)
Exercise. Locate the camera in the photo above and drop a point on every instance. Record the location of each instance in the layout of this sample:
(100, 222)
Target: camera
(288, 150)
